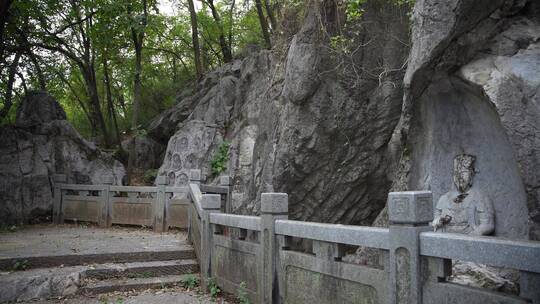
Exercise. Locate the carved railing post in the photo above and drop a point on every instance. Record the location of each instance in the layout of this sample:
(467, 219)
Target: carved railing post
(195, 176)
(57, 195)
(105, 219)
(211, 203)
(160, 224)
(409, 214)
(273, 206)
(225, 181)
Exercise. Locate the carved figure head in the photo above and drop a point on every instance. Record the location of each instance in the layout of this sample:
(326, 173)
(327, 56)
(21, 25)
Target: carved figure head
(464, 172)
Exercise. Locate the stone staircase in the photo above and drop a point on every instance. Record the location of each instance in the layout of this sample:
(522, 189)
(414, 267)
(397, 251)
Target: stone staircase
(98, 271)
(137, 275)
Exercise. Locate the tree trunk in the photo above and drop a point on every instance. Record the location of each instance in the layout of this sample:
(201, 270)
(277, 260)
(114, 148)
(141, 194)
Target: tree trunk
(138, 39)
(195, 39)
(4, 17)
(231, 21)
(110, 105)
(264, 24)
(8, 102)
(225, 50)
(271, 16)
(89, 76)
(41, 78)
(135, 110)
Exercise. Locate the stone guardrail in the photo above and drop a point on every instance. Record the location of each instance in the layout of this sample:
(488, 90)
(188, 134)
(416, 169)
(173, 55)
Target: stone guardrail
(414, 262)
(160, 206)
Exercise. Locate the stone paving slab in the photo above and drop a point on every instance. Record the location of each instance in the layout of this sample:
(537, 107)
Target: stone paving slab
(48, 240)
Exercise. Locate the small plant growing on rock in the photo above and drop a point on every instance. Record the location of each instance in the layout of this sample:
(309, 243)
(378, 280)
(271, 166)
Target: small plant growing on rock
(213, 288)
(220, 159)
(242, 294)
(190, 282)
(21, 265)
(150, 175)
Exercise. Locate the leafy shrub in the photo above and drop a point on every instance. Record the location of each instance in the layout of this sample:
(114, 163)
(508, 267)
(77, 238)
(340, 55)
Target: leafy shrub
(213, 288)
(150, 175)
(220, 159)
(242, 294)
(21, 265)
(190, 282)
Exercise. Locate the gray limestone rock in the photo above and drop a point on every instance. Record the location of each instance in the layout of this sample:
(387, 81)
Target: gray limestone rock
(190, 148)
(148, 152)
(471, 88)
(296, 125)
(37, 147)
(38, 107)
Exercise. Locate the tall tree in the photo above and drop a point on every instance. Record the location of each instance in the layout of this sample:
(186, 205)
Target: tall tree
(264, 24)
(138, 27)
(225, 49)
(4, 18)
(9, 90)
(270, 13)
(110, 105)
(72, 38)
(195, 39)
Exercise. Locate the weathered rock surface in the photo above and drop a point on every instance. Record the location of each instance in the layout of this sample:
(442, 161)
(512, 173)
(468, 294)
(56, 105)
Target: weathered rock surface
(481, 276)
(40, 144)
(471, 87)
(148, 152)
(41, 283)
(189, 149)
(296, 125)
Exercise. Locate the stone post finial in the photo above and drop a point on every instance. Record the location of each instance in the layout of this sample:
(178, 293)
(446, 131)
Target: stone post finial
(274, 203)
(160, 207)
(211, 201)
(57, 194)
(225, 180)
(410, 207)
(195, 176)
(105, 219)
(409, 213)
(274, 206)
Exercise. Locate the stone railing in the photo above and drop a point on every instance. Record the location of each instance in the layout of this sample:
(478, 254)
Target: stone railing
(160, 206)
(255, 252)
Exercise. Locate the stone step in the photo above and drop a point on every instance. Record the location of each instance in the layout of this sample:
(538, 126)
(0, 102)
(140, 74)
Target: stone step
(142, 269)
(106, 286)
(182, 252)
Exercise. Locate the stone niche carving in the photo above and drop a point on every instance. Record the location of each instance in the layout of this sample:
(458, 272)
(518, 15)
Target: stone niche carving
(172, 178)
(190, 162)
(464, 209)
(176, 162)
(183, 143)
(182, 179)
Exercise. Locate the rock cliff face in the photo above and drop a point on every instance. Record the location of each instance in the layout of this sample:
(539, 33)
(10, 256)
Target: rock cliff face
(472, 87)
(300, 125)
(296, 125)
(40, 144)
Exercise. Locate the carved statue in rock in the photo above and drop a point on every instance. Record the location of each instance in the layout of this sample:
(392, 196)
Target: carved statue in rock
(464, 209)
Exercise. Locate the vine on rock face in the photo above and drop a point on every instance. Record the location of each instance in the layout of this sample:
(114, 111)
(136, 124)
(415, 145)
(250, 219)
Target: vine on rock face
(220, 159)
